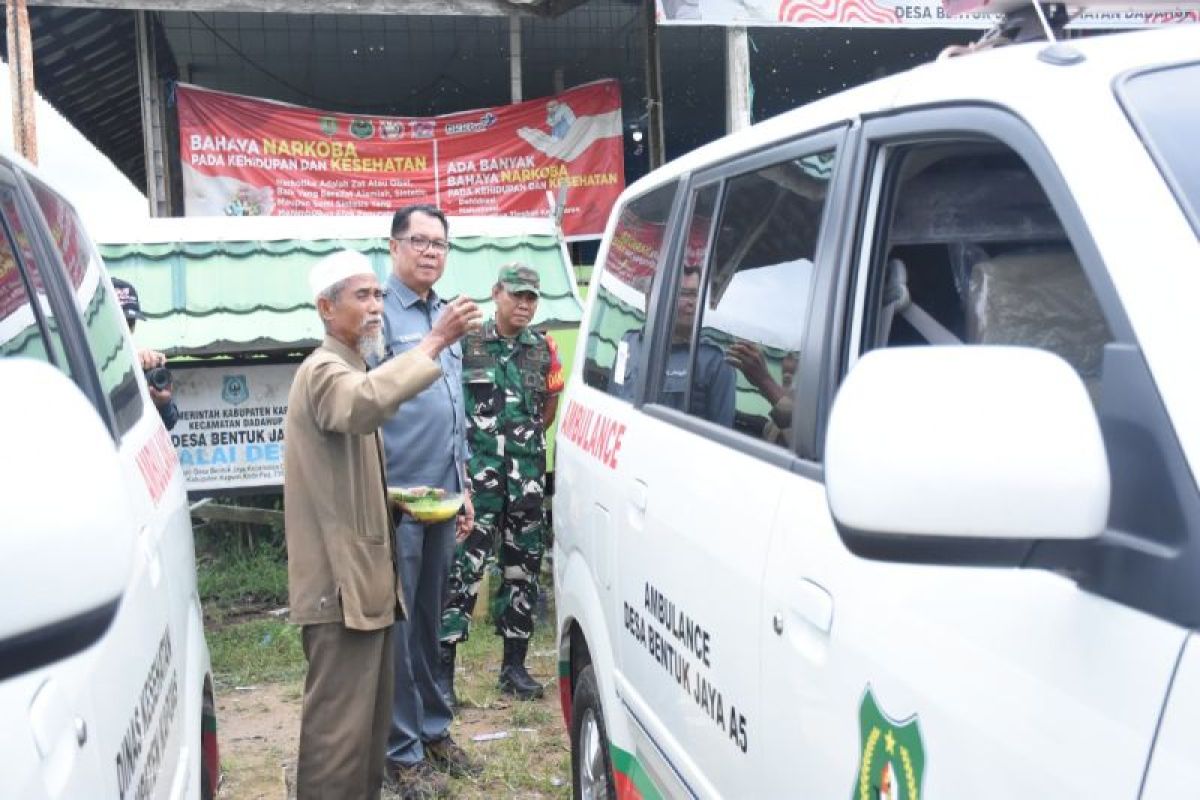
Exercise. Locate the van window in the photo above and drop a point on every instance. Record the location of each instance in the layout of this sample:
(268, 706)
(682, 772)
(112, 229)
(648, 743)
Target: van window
(21, 335)
(975, 254)
(1167, 126)
(623, 292)
(743, 295)
(112, 351)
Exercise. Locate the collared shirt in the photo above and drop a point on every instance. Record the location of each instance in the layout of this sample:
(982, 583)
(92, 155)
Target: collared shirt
(340, 553)
(426, 439)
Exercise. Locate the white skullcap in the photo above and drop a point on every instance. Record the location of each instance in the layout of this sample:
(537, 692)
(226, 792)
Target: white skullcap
(336, 267)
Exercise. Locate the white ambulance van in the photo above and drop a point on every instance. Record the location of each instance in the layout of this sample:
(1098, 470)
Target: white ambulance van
(877, 472)
(105, 684)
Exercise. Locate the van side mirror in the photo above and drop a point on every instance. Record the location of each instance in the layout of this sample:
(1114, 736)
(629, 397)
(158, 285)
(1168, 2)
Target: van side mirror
(963, 454)
(68, 542)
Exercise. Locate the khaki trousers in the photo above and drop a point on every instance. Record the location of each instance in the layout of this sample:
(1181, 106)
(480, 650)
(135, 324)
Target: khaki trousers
(347, 712)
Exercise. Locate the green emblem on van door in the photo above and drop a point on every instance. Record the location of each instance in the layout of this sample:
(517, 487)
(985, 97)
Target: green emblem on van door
(892, 758)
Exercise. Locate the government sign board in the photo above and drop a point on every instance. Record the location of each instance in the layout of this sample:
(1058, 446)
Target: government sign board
(230, 429)
(246, 156)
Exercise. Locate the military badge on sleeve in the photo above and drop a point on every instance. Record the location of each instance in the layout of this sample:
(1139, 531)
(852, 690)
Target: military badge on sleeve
(893, 757)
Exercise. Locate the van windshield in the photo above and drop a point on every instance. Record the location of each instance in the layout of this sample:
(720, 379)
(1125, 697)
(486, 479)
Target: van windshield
(1168, 127)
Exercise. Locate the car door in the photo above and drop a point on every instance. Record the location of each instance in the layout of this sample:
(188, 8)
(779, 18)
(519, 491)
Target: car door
(139, 731)
(961, 677)
(709, 459)
(63, 610)
(599, 431)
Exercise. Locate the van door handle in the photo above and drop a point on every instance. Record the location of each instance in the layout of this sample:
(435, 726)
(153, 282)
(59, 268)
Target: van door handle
(58, 734)
(151, 553)
(639, 496)
(814, 604)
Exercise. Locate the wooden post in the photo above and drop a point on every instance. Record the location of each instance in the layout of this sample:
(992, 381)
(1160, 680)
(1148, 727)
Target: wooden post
(158, 185)
(654, 134)
(20, 73)
(737, 80)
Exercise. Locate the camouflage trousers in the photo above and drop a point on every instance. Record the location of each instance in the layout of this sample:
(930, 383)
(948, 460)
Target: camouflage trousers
(508, 512)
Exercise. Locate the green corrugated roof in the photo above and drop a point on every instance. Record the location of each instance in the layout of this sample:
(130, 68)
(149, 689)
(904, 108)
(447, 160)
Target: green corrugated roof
(247, 297)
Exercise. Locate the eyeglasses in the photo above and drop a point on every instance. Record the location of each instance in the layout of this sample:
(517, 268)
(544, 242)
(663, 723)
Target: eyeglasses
(423, 243)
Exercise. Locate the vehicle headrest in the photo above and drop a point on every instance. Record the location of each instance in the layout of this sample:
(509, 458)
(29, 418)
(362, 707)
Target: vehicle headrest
(1038, 299)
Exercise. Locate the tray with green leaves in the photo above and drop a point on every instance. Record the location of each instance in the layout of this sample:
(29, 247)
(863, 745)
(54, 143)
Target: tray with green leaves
(425, 503)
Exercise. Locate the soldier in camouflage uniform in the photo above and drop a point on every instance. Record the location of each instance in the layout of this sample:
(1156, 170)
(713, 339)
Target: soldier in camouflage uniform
(511, 381)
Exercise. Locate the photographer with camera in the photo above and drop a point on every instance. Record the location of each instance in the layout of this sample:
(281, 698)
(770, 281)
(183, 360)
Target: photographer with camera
(154, 363)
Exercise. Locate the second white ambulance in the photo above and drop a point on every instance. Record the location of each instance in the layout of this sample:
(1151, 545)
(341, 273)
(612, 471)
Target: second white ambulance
(876, 476)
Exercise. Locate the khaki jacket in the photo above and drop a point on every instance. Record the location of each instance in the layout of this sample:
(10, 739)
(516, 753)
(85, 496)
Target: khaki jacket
(341, 560)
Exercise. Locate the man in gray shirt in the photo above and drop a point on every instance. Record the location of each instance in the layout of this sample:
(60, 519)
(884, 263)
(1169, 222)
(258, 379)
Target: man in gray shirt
(425, 445)
(713, 382)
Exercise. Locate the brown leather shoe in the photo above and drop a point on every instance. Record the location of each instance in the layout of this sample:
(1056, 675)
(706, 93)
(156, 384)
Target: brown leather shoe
(418, 781)
(445, 755)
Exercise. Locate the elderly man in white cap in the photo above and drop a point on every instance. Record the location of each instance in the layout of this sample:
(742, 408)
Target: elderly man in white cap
(342, 581)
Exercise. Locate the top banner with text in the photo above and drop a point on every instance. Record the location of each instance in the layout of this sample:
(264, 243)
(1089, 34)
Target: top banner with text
(885, 14)
(248, 156)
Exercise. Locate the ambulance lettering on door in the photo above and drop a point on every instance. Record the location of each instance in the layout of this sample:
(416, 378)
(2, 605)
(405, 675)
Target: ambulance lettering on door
(684, 639)
(144, 734)
(596, 434)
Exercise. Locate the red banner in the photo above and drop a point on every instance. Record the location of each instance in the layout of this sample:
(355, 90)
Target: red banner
(246, 156)
(634, 250)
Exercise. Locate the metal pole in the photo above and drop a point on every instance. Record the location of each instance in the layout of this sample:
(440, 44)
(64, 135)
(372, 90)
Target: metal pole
(654, 134)
(20, 72)
(737, 80)
(514, 57)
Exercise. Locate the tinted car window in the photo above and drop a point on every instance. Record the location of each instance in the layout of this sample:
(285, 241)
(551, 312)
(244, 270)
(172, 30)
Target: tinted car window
(24, 331)
(623, 292)
(743, 295)
(111, 349)
(20, 332)
(1168, 127)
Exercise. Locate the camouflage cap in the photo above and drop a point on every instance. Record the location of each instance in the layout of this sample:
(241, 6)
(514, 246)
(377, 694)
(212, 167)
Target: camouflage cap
(516, 277)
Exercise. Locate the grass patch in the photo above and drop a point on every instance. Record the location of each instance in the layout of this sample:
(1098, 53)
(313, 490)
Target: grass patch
(258, 651)
(232, 575)
(241, 578)
(534, 760)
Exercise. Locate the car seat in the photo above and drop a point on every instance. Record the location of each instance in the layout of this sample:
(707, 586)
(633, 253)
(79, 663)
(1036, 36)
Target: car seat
(896, 300)
(1039, 299)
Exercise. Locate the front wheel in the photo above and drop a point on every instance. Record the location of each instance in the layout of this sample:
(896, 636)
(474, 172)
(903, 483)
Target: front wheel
(591, 767)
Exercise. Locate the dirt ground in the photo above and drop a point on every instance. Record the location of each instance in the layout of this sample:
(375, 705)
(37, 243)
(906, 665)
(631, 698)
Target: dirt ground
(523, 745)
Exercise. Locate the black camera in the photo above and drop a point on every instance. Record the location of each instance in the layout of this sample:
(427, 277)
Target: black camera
(159, 378)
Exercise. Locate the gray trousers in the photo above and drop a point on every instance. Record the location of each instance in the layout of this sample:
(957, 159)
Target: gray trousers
(419, 713)
(344, 723)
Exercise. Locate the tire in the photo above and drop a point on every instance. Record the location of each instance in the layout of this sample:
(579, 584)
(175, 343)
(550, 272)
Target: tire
(591, 764)
(206, 790)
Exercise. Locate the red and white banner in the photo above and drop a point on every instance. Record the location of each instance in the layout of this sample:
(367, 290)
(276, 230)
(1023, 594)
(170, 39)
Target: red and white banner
(247, 156)
(887, 14)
